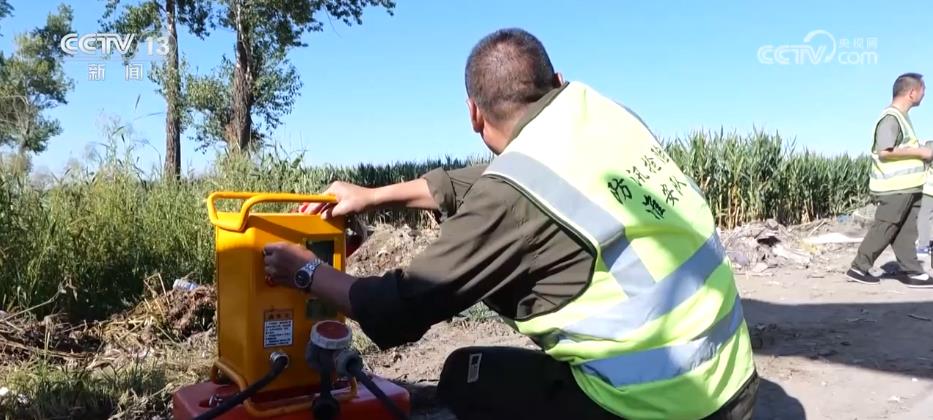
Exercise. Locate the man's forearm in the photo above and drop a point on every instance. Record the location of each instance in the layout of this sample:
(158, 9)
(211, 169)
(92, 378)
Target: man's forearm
(412, 194)
(334, 287)
(903, 153)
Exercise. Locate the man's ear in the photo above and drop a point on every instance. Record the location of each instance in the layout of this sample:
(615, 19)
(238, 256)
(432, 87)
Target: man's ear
(476, 117)
(558, 79)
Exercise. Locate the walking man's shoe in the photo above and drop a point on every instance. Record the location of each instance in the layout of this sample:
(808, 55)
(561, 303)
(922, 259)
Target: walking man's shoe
(923, 252)
(916, 280)
(861, 277)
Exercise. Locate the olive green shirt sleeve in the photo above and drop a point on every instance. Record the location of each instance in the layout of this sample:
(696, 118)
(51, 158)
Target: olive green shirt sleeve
(482, 247)
(887, 134)
(448, 187)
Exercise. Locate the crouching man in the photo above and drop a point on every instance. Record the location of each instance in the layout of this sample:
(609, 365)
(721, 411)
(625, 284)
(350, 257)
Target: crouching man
(583, 235)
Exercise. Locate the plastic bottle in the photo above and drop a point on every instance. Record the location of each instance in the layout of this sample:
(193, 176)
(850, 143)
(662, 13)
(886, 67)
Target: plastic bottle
(182, 284)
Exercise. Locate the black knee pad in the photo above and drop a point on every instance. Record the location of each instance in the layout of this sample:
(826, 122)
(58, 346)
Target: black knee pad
(455, 372)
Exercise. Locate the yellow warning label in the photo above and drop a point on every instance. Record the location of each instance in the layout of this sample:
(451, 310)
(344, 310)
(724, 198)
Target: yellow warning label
(278, 327)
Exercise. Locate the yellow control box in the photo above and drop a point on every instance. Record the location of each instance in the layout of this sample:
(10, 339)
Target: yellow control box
(255, 318)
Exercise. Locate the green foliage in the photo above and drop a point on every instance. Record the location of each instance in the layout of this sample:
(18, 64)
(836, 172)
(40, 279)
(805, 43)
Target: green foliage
(5, 9)
(33, 81)
(277, 25)
(143, 20)
(147, 17)
(99, 230)
(211, 102)
(150, 18)
(262, 85)
(760, 176)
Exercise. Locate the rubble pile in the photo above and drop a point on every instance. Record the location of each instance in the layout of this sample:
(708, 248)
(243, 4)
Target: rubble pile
(757, 247)
(388, 247)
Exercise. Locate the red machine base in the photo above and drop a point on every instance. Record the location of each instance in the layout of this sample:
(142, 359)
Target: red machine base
(192, 401)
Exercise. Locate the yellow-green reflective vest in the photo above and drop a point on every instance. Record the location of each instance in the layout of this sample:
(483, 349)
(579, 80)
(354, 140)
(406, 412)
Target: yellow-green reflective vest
(928, 184)
(901, 174)
(658, 333)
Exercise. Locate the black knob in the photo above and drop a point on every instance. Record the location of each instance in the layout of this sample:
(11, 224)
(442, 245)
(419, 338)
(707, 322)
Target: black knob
(325, 407)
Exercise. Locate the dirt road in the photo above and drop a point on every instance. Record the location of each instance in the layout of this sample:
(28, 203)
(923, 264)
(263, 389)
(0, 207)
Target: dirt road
(832, 349)
(826, 348)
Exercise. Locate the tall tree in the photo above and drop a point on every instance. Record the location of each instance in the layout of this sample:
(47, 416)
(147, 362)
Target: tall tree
(151, 18)
(273, 94)
(32, 81)
(265, 31)
(5, 9)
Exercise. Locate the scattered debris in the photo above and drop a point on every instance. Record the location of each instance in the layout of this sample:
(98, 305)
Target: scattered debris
(173, 314)
(763, 335)
(827, 353)
(768, 244)
(759, 267)
(922, 318)
(739, 259)
(798, 257)
(832, 238)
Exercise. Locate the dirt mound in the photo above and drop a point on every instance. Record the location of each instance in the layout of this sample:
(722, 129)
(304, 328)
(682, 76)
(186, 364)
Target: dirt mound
(389, 247)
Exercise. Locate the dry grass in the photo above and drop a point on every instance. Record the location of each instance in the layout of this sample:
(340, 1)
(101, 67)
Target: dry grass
(123, 368)
(102, 387)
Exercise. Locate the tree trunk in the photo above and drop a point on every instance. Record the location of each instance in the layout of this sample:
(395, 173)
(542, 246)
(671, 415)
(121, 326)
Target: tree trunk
(239, 128)
(172, 96)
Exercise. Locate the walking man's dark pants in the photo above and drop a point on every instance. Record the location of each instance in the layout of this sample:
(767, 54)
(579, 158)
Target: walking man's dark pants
(895, 224)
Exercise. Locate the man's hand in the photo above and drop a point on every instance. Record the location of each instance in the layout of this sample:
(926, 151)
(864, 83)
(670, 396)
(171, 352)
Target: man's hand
(350, 199)
(282, 261)
(926, 154)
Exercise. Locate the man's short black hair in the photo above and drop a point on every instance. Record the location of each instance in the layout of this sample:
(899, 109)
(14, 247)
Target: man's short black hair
(506, 71)
(906, 82)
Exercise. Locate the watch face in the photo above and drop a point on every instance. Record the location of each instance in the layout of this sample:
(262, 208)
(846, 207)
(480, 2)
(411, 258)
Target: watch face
(302, 279)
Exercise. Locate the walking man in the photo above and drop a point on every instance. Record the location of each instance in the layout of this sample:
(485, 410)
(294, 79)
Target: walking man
(896, 182)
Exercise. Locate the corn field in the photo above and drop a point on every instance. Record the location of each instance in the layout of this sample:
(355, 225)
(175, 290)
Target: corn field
(90, 237)
(761, 176)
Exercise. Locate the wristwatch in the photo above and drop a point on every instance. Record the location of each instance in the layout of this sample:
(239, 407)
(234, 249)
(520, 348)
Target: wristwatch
(305, 275)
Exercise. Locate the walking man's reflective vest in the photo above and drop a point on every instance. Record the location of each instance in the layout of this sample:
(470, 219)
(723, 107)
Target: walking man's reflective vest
(901, 174)
(659, 331)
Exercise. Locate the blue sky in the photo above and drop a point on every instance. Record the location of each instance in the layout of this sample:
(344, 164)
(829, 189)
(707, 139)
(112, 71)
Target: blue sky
(392, 89)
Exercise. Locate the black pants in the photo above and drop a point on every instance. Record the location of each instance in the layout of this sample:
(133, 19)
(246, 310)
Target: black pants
(896, 225)
(514, 383)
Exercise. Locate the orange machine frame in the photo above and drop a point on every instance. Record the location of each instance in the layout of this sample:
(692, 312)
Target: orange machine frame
(254, 318)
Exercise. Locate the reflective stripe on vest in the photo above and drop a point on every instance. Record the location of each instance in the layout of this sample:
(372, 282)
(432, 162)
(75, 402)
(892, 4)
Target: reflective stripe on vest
(900, 174)
(648, 299)
(659, 330)
(667, 362)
